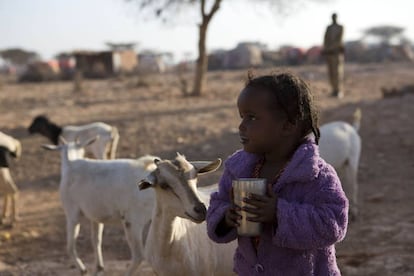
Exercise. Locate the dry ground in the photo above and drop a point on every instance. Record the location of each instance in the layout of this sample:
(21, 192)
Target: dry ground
(153, 118)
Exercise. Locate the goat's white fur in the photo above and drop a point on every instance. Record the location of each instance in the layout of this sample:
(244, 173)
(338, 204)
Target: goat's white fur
(104, 191)
(104, 147)
(175, 244)
(7, 186)
(340, 146)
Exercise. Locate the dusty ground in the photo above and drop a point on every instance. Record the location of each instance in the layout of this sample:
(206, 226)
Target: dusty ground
(153, 118)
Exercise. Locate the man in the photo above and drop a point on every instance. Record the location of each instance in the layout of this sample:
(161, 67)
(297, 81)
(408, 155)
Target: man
(334, 54)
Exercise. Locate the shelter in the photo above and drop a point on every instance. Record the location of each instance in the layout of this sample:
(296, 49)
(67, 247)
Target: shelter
(105, 63)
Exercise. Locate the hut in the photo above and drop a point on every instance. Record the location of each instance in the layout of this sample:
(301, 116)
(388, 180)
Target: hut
(105, 64)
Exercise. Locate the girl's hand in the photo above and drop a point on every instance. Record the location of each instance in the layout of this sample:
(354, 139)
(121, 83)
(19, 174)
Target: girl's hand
(262, 207)
(232, 215)
(231, 218)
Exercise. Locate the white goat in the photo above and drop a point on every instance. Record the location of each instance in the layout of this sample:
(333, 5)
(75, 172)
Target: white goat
(340, 146)
(8, 146)
(104, 191)
(177, 242)
(104, 148)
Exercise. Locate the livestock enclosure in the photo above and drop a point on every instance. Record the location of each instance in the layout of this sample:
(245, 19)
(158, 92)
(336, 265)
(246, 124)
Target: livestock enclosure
(156, 119)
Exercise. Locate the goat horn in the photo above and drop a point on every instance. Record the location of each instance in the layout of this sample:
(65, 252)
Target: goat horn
(63, 140)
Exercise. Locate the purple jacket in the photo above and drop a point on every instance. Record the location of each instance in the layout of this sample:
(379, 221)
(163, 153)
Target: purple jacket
(312, 215)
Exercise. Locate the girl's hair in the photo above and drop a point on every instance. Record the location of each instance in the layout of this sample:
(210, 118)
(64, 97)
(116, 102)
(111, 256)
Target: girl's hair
(293, 96)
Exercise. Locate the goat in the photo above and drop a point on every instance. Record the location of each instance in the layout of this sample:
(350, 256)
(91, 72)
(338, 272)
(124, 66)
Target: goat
(145, 269)
(177, 241)
(340, 146)
(104, 148)
(118, 201)
(8, 146)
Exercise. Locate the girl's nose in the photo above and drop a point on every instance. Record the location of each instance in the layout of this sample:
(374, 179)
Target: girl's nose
(241, 126)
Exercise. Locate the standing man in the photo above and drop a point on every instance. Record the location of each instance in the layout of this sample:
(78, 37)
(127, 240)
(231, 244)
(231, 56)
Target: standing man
(334, 53)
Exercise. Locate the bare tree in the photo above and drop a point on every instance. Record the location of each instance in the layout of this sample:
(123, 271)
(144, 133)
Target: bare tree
(201, 65)
(18, 56)
(160, 7)
(207, 10)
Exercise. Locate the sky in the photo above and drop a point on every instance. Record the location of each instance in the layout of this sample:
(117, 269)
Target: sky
(49, 27)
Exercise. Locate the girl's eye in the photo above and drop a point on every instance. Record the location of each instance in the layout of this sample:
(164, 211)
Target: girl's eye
(248, 117)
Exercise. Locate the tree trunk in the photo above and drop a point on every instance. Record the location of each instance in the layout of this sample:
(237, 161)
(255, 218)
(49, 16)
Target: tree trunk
(77, 81)
(201, 66)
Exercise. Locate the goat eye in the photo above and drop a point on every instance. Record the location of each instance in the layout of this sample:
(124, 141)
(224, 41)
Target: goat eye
(164, 186)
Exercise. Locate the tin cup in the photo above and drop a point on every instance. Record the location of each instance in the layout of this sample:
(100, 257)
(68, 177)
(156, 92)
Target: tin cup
(242, 188)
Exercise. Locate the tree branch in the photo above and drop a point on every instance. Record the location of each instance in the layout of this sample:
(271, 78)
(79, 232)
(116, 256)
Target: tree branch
(203, 8)
(214, 9)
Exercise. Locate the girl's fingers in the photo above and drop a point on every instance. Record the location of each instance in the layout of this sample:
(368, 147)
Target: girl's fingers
(233, 221)
(232, 217)
(270, 192)
(262, 198)
(257, 197)
(254, 219)
(254, 211)
(236, 208)
(257, 203)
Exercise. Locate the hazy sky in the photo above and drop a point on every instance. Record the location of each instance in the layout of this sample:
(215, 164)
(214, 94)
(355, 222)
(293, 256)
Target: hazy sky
(52, 26)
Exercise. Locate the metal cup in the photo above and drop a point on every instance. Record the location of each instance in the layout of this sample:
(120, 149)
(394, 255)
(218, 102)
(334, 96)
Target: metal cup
(242, 188)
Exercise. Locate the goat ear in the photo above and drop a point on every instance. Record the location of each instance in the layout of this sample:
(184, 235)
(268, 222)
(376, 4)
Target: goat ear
(89, 141)
(206, 166)
(147, 182)
(51, 147)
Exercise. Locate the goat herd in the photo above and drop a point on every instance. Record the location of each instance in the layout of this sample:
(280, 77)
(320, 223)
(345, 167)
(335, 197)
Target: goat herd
(162, 224)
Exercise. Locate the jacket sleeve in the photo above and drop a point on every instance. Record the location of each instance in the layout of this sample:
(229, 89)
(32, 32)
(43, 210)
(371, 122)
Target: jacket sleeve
(219, 202)
(321, 220)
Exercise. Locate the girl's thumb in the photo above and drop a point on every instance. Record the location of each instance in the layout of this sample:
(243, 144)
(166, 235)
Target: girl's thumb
(270, 190)
(232, 194)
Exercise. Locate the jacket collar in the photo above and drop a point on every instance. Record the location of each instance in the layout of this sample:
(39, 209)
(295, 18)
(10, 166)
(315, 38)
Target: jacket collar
(303, 165)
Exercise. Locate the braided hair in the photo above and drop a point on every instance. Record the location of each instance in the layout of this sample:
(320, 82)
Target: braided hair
(293, 96)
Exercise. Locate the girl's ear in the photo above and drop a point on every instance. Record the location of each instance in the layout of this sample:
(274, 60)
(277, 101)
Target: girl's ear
(290, 128)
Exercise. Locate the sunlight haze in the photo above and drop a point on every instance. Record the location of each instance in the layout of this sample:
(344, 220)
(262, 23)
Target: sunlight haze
(52, 26)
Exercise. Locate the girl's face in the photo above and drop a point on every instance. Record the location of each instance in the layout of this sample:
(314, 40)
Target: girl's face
(262, 130)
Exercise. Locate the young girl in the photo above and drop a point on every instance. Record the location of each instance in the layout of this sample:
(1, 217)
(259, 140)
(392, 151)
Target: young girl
(305, 211)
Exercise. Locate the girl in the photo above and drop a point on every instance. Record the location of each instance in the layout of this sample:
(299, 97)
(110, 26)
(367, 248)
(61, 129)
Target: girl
(305, 211)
